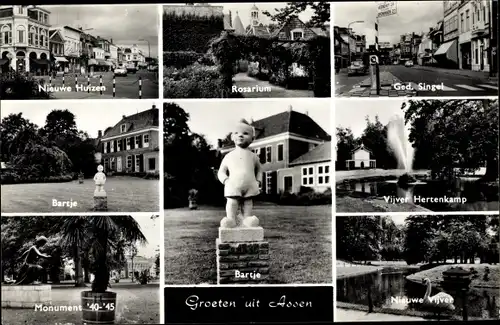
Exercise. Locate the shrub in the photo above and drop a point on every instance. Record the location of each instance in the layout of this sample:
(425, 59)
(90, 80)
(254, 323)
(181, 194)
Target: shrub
(13, 177)
(144, 277)
(298, 82)
(15, 85)
(305, 197)
(195, 81)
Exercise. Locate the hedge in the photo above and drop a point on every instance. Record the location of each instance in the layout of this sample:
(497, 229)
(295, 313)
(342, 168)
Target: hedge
(195, 81)
(189, 32)
(15, 178)
(183, 59)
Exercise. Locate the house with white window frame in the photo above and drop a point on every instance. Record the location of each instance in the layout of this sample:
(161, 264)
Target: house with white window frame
(131, 146)
(288, 144)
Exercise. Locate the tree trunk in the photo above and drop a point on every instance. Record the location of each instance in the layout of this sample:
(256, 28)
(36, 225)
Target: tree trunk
(132, 260)
(491, 169)
(78, 267)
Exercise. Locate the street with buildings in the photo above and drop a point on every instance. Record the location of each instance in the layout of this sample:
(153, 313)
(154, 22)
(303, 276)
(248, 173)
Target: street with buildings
(452, 57)
(34, 43)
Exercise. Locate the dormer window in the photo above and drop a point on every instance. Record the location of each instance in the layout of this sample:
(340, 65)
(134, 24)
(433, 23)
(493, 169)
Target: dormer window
(297, 34)
(123, 128)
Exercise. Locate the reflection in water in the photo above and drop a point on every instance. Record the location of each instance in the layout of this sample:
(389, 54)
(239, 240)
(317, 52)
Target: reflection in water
(394, 291)
(479, 197)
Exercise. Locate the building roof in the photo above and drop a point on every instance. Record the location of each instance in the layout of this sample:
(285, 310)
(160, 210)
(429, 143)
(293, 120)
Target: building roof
(361, 147)
(238, 25)
(320, 31)
(289, 121)
(136, 122)
(260, 31)
(320, 153)
(254, 7)
(227, 23)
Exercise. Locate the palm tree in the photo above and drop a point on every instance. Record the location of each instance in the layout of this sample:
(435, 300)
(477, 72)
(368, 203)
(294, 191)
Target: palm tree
(99, 234)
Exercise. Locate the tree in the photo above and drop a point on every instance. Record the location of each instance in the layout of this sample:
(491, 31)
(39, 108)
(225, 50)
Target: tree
(374, 137)
(15, 133)
(321, 13)
(457, 134)
(345, 144)
(132, 253)
(358, 238)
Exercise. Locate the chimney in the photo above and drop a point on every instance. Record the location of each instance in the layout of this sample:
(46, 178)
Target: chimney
(124, 116)
(99, 134)
(290, 108)
(154, 106)
(219, 143)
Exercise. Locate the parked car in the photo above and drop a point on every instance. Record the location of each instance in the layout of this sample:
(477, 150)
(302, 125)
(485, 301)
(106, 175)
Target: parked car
(131, 68)
(357, 67)
(121, 71)
(409, 64)
(152, 67)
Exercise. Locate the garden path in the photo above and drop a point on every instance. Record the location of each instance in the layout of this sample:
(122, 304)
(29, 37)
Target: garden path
(243, 80)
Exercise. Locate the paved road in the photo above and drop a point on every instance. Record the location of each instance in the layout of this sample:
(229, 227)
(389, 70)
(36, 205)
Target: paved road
(475, 84)
(126, 87)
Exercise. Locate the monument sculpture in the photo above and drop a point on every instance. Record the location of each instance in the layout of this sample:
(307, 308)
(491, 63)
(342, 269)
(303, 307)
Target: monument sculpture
(240, 172)
(100, 196)
(30, 272)
(242, 253)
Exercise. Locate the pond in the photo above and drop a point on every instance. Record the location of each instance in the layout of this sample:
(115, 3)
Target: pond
(392, 290)
(469, 195)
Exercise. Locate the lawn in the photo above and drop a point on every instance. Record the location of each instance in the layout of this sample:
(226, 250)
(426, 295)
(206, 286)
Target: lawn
(350, 204)
(300, 244)
(125, 194)
(134, 305)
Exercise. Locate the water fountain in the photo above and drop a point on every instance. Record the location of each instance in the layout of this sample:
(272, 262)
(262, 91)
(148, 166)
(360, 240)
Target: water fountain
(397, 137)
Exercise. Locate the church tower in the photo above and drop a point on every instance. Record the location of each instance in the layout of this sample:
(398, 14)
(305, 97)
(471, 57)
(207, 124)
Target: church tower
(254, 16)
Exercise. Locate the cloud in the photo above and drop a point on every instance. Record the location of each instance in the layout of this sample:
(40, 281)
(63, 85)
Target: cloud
(125, 24)
(412, 16)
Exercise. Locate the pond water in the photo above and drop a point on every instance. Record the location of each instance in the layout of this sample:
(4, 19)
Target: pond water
(469, 194)
(393, 291)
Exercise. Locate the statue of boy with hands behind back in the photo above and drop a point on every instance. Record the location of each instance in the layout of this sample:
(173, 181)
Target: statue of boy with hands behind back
(240, 172)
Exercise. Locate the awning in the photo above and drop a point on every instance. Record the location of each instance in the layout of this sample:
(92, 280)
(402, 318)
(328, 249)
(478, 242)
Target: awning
(60, 59)
(3, 61)
(108, 63)
(101, 62)
(41, 61)
(445, 47)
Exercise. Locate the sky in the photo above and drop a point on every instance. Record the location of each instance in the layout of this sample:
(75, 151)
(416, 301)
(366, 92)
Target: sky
(151, 230)
(228, 113)
(412, 16)
(89, 117)
(243, 10)
(386, 109)
(125, 24)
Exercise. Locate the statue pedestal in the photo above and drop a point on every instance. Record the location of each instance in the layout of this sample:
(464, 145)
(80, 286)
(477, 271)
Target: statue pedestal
(100, 201)
(25, 296)
(242, 256)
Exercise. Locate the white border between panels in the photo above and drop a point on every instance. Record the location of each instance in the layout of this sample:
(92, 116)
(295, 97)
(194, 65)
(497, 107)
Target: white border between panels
(161, 162)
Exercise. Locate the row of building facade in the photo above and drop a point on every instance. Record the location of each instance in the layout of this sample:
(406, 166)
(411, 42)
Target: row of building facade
(465, 38)
(28, 43)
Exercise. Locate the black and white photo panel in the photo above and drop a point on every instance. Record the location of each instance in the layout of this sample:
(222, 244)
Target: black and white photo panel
(73, 157)
(245, 50)
(248, 196)
(79, 52)
(416, 155)
(415, 48)
(81, 269)
(417, 267)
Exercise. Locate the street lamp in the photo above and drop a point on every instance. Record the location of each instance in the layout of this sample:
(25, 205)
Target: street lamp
(149, 47)
(349, 36)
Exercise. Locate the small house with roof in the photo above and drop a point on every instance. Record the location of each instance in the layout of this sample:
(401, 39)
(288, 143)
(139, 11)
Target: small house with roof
(294, 151)
(362, 158)
(131, 145)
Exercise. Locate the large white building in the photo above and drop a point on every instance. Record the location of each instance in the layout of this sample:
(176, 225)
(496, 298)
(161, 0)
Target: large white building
(133, 54)
(72, 46)
(24, 39)
(361, 159)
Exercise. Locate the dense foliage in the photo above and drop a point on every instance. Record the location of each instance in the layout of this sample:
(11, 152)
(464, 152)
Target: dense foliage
(55, 152)
(15, 85)
(182, 59)
(189, 32)
(97, 244)
(428, 239)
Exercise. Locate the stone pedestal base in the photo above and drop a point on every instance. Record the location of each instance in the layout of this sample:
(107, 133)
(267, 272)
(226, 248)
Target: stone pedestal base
(100, 203)
(242, 262)
(25, 296)
(241, 234)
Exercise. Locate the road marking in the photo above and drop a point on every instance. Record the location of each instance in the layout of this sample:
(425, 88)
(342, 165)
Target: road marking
(488, 86)
(469, 87)
(446, 88)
